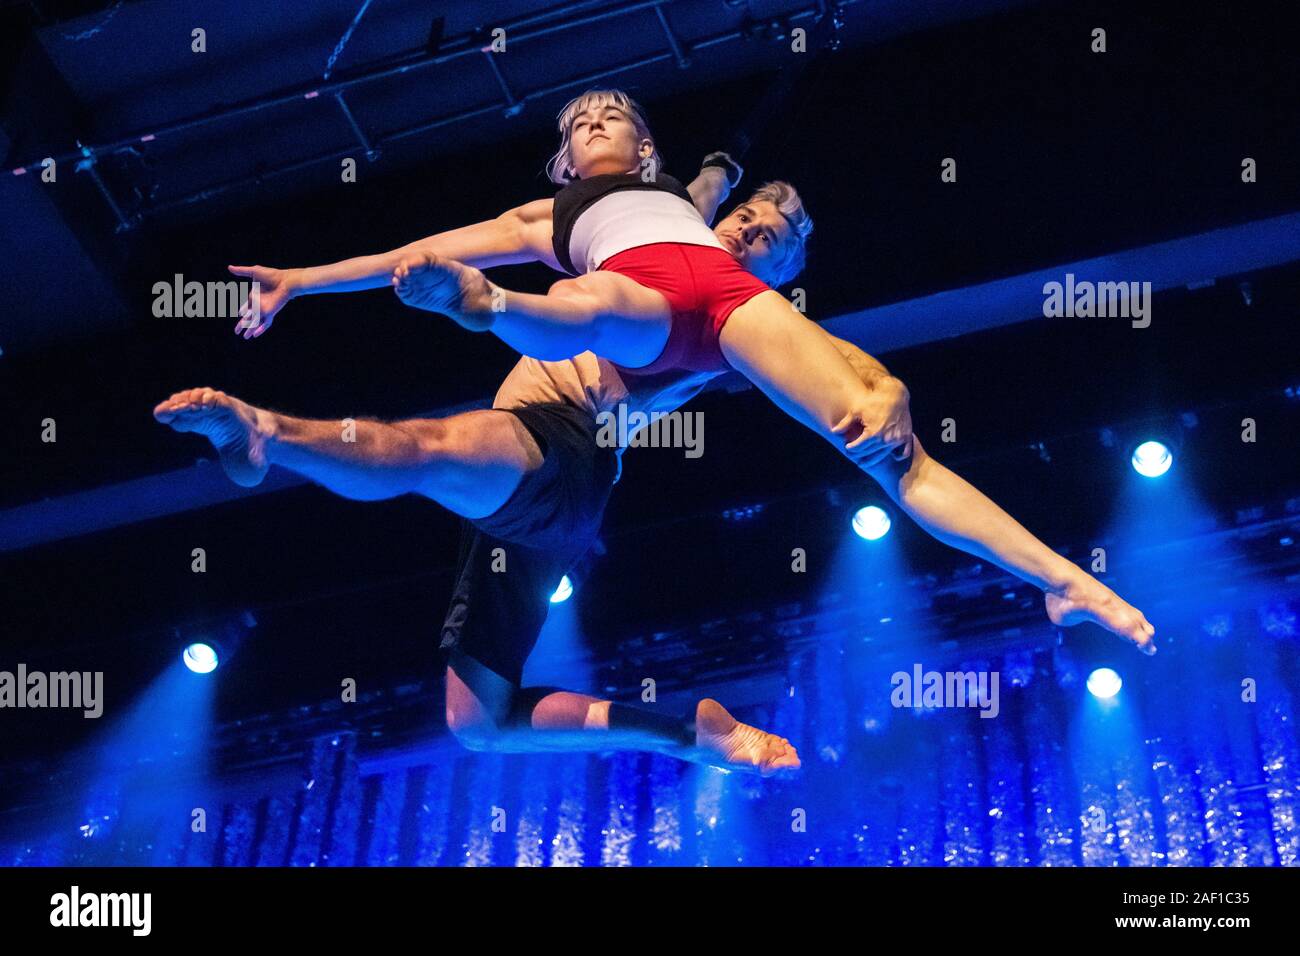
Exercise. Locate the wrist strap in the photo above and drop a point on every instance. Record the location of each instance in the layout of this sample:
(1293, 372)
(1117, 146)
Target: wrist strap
(723, 161)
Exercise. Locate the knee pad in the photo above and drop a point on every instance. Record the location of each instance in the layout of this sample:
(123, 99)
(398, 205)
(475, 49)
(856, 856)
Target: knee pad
(524, 701)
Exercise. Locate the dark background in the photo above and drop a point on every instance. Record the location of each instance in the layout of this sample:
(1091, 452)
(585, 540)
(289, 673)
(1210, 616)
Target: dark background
(1063, 155)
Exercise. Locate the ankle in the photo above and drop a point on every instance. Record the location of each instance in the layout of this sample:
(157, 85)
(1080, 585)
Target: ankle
(667, 729)
(496, 304)
(1066, 578)
(270, 428)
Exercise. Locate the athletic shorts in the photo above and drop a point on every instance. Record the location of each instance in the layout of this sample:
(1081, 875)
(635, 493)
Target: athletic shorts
(703, 284)
(500, 599)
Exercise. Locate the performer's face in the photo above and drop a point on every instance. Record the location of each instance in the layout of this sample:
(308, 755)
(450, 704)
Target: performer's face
(603, 139)
(758, 236)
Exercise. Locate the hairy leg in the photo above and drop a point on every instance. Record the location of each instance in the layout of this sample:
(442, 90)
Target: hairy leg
(958, 514)
(603, 312)
(469, 463)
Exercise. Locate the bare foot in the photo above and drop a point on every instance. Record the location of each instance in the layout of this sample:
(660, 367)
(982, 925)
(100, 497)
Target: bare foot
(437, 284)
(237, 430)
(1087, 599)
(723, 741)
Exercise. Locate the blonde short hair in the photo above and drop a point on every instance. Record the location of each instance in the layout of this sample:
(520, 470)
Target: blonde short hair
(560, 166)
(787, 202)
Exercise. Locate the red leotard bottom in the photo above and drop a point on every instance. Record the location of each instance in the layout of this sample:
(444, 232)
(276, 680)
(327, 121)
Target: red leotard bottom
(703, 284)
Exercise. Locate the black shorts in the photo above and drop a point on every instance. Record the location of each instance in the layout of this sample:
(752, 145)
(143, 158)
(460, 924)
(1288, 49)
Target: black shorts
(501, 597)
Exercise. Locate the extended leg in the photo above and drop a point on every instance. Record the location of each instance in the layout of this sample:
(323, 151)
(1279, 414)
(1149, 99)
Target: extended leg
(796, 364)
(958, 514)
(766, 339)
(487, 713)
(469, 463)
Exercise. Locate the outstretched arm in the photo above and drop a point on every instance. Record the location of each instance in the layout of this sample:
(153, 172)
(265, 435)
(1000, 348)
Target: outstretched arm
(522, 234)
(505, 240)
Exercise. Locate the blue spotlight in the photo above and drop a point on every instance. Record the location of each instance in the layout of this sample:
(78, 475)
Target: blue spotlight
(563, 592)
(1104, 683)
(1152, 459)
(871, 523)
(200, 658)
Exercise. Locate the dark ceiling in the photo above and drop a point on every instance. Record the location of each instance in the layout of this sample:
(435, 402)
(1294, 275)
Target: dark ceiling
(282, 92)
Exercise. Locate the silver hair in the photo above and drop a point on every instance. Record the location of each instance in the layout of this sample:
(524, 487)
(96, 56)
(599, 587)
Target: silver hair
(787, 202)
(560, 166)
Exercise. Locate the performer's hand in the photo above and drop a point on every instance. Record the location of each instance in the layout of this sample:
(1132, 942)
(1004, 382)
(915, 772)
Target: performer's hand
(730, 168)
(275, 287)
(882, 425)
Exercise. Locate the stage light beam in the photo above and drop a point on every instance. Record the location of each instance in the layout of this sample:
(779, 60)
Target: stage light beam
(1151, 459)
(1104, 683)
(871, 523)
(563, 592)
(200, 658)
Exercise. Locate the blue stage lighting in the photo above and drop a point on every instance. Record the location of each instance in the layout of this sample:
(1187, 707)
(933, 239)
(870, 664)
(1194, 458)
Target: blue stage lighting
(1152, 459)
(563, 592)
(1104, 683)
(200, 658)
(871, 523)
